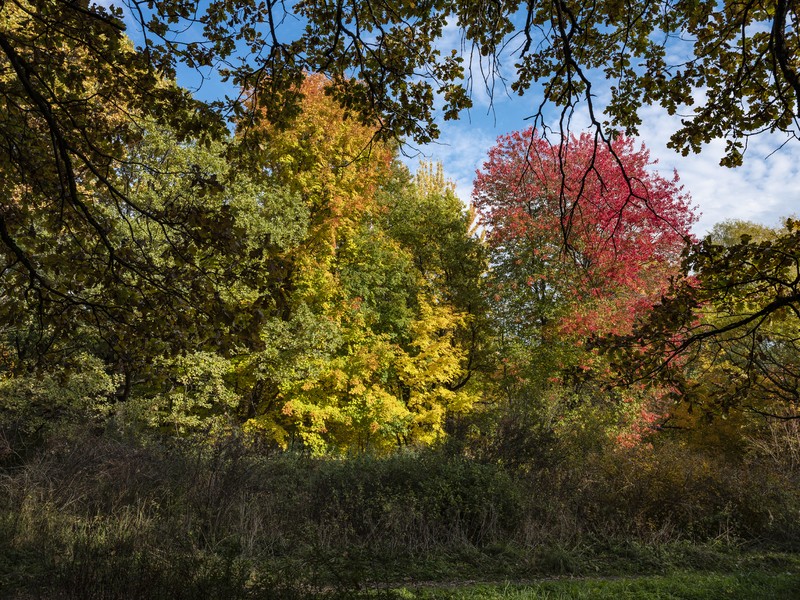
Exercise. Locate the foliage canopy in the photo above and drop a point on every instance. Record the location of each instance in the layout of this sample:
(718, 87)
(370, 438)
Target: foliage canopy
(294, 278)
(730, 65)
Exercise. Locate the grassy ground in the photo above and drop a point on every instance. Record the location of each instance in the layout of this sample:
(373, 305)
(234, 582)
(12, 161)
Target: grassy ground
(684, 586)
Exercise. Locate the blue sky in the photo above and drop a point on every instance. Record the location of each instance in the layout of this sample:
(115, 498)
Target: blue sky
(764, 190)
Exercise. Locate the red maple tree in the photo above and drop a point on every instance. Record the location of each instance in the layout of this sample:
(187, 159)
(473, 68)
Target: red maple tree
(595, 228)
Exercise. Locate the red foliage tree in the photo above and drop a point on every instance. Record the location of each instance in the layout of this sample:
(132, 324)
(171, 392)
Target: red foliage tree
(624, 226)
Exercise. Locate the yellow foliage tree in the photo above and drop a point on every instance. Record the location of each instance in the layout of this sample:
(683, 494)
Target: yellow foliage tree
(387, 374)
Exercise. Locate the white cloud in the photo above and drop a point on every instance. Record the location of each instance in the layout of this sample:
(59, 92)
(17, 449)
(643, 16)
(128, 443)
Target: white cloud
(764, 189)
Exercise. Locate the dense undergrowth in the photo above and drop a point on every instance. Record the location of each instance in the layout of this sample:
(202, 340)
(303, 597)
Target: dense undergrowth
(104, 515)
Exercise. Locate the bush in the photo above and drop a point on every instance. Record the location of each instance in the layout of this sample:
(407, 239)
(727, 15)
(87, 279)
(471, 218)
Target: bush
(97, 515)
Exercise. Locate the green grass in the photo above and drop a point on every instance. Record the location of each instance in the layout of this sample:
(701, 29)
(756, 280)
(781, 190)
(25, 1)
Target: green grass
(683, 586)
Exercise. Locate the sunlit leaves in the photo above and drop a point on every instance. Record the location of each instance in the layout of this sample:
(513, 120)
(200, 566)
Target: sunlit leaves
(386, 298)
(726, 335)
(624, 235)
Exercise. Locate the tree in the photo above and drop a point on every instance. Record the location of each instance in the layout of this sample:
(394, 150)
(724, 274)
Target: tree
(164, 339)
(372, 349)
(729, 232)
(548, 301)
(389, 60)
(429, 221)
(623, 243)
(76, 97)
(725, 335)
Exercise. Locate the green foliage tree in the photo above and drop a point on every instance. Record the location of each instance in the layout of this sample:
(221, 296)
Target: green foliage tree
(75, 93)
(726, 334)
(216, 273)
(429, 221)
(729, 232)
